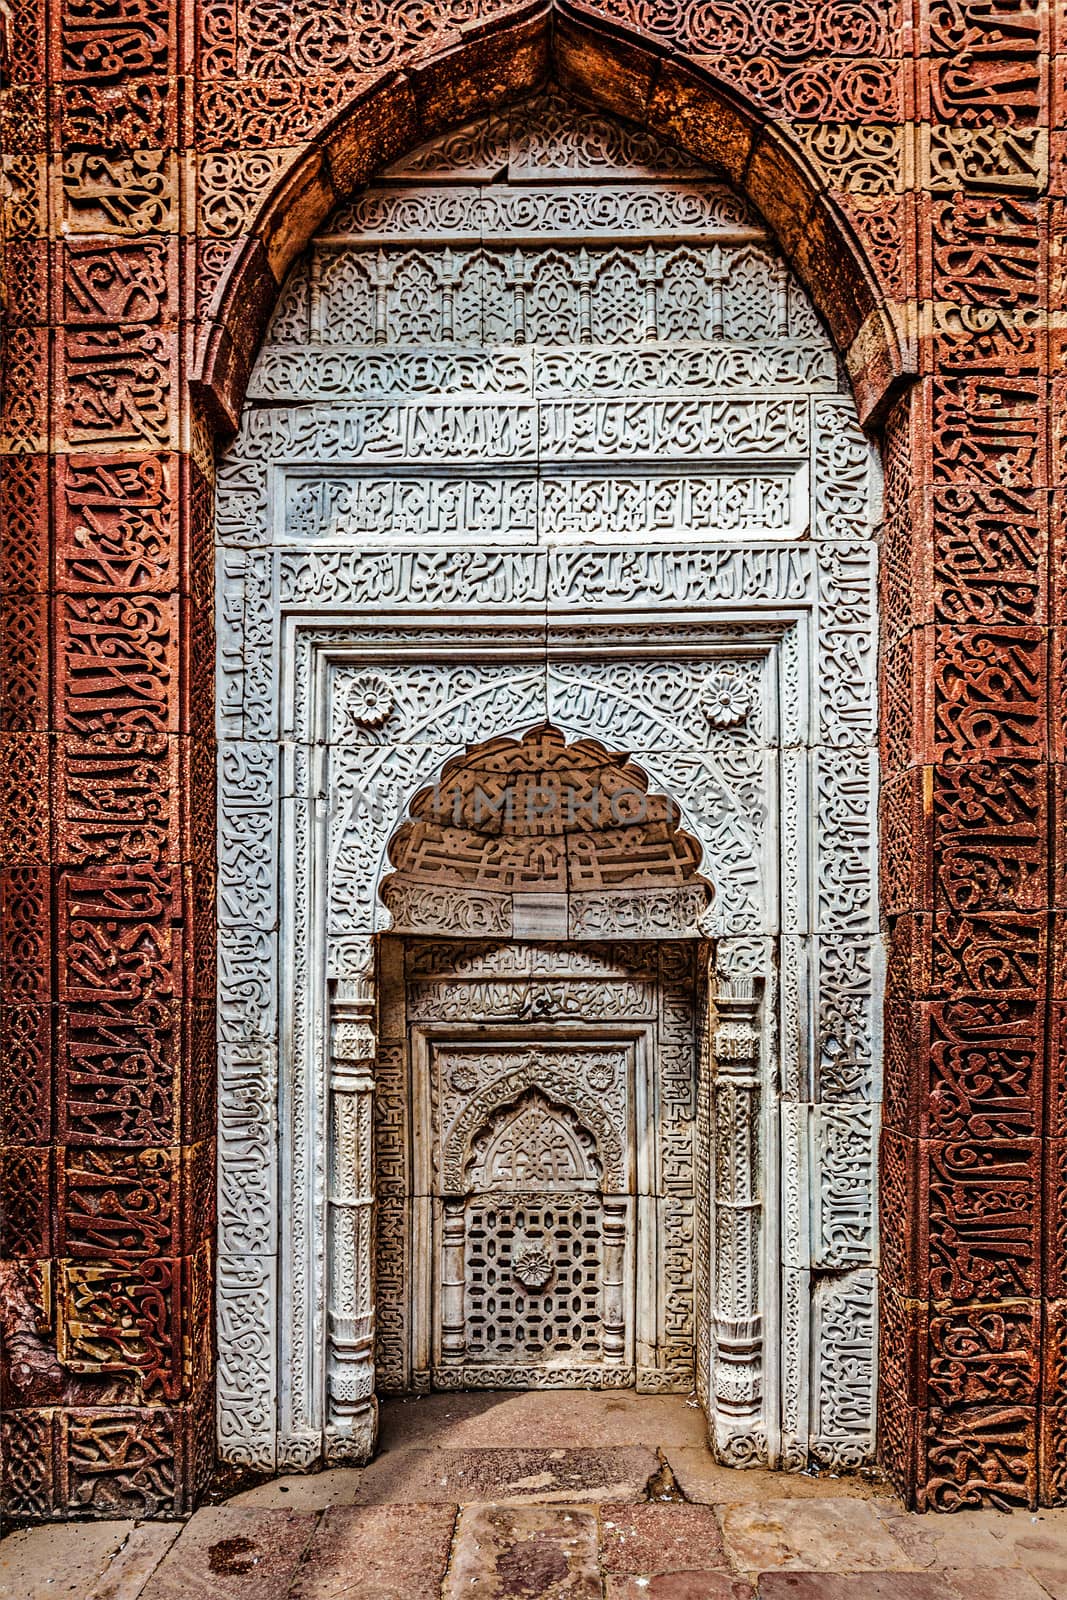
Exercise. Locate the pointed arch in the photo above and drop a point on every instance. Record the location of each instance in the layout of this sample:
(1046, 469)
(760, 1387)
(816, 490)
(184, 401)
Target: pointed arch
(615, 68)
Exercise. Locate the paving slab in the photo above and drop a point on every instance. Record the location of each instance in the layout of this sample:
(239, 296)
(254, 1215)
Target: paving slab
(810, 1535)
(136, 1560)
(377, 1553)
(647, 1539)
(544, 1476)
(705, 1482)
(680, 1586)
(233, 1553)
(525, 1553)
(62, 1559)
(298, 1491)
(973, 1584)
(557, 1418)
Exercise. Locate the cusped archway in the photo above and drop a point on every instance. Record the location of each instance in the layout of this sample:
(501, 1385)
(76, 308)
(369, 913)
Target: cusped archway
(534, 837)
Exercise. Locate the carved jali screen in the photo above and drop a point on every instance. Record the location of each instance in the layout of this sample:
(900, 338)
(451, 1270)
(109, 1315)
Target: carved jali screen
(536, 1123)
(547, 450)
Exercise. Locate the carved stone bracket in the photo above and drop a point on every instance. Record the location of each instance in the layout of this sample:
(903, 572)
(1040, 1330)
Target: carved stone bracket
(351, 1407)
(736, 1389)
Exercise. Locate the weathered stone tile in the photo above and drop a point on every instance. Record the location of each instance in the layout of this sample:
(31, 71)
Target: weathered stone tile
(679, 1586)
(703, 1481)
(44, 1563)
(546, 1476)
(378, 1553)
(230, 1553)
(563, 1419)
(299, 1491)
(538, 1553)
(986, 1583)
(830, 1536)
(648, 1539)
(132, 1566)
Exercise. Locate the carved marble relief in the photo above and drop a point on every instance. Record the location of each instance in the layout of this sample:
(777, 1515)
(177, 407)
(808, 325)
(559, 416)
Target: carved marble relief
(546, 436)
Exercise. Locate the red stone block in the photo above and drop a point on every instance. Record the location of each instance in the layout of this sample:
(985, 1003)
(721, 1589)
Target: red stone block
(25, 935)
(118, 387)
(902, 1209)
(899, 1440)
(979, 1456)
(198, 1196)
(1000, 88)
(105, 282)
(26, 1464)
(990, 833)
(1052, 1459)
(902, 1348)
(118, 1079)
(903, 1066)
(1057, 692)
(122, 1319)
(213, 28)
(1055, 1230)
(118, 804)
(121, 1463)
(98, 48)
(833, 274)
(989, 953)
(904, 734)
(603, 64)
(1058, 454)
(198, 1414)
(1056, 1071)
(988, 692)
(25, 1073)
(981, 1063)
(121, 935)
(497, 59)
(24, 517)
(271, 112)
(988, 430)
(24, 663)
(26, 267)
(984, 1354)
(906, 856)
(24, 402)
(990, 550)
(119, 1204)
(201, 1073)
(24, 798)
(983, 1239)
(886, 231)
(123, 117)
(25, 1202)
(117, 665)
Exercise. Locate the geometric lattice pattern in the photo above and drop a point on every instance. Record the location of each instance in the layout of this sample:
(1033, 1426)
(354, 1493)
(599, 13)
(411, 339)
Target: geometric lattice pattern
(512, 1238)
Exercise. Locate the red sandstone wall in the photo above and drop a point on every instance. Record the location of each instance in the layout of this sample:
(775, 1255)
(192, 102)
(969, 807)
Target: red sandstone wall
(162, 163)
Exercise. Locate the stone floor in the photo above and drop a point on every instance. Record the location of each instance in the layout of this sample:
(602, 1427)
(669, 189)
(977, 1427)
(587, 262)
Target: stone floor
(547, 1497)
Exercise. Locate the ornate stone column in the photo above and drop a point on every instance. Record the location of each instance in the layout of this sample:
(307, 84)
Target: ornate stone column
(736, 1421)
(351, 1406)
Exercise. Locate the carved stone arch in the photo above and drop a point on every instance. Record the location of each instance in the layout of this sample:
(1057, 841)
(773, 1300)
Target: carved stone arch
(621, 70)
(372, 650)
(534, 834)
(558, 1122)
(536, 1071)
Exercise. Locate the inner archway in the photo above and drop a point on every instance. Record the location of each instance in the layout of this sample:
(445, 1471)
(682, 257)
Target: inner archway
(536, 1228)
